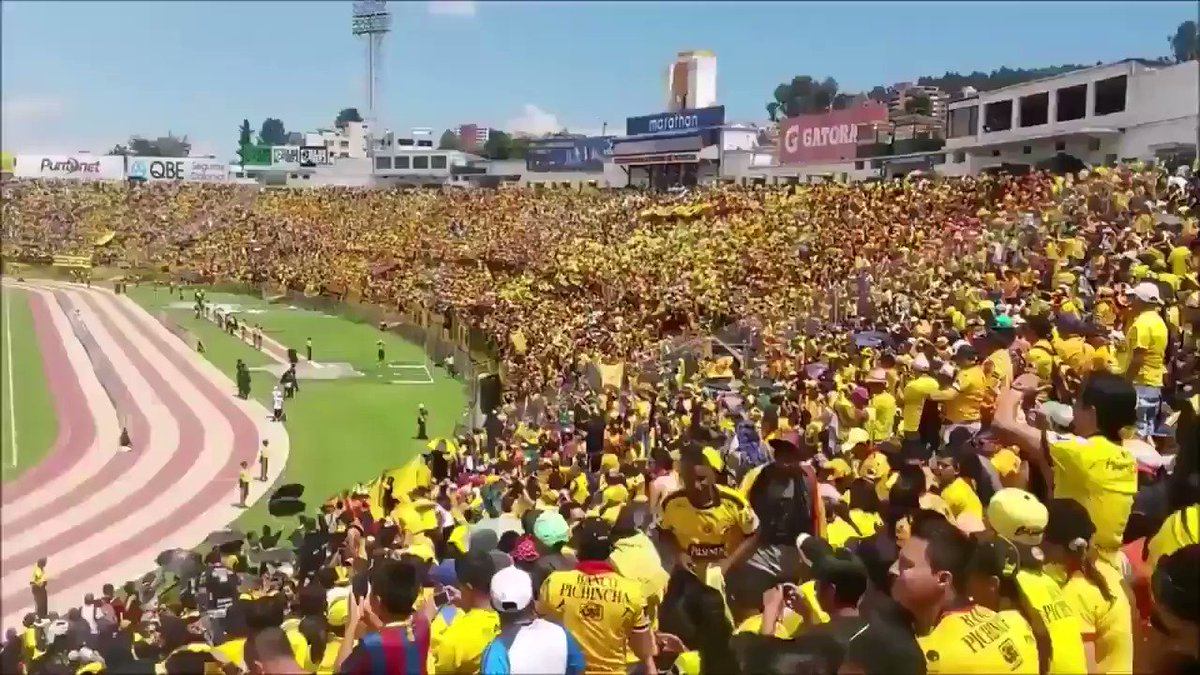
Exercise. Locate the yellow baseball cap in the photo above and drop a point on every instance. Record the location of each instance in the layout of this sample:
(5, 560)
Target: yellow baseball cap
(338, 612)
(875, 467)
(855, 437)
(837, 468)
(1017, 516)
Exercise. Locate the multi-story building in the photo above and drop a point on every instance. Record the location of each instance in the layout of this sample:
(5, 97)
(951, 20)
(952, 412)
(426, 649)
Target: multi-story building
(903, 92)
(473, 137)
(1122, 111)
(413, 159)
(348, 141)
(692, 81)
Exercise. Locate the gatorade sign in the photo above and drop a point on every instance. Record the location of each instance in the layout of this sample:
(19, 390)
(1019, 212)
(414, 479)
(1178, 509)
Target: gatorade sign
(827, 137)
(177, 169)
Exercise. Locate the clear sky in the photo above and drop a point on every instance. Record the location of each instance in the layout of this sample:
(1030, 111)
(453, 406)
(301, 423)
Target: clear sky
(86, 75)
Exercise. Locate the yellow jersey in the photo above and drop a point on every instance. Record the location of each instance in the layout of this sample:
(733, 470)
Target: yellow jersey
(1045, 596)
(708, 534)
(1100, 475)
(460, 649)
(964, 408)
(914, 395)
(1106, 624)
(978, 640)
(1148, 333)
(961, 498)
(600, 608)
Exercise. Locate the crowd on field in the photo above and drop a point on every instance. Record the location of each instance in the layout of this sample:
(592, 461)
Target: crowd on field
(921, 425)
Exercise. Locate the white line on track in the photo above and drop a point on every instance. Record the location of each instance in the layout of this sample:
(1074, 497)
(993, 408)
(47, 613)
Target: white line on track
(8, 366)
(99, 409)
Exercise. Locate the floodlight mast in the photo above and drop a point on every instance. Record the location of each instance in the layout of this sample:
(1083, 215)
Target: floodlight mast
(371, 21)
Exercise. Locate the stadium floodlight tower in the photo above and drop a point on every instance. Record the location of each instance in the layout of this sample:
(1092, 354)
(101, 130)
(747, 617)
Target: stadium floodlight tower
(371, 21)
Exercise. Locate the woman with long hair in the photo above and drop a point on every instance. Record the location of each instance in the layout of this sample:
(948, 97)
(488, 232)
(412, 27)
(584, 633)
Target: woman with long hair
(1094, 588)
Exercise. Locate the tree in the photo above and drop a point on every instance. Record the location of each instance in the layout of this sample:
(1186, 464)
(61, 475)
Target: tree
(163, 146)
(918, 103)
(272, 132)
(347, 115)
(245, 134)
(119, 149)
(803, 96)
(519, 148)
(498, 146)
(1185, 43)
(449, 141)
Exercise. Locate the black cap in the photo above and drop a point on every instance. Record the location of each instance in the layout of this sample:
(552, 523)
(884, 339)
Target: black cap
(593, 539)
(476, 569)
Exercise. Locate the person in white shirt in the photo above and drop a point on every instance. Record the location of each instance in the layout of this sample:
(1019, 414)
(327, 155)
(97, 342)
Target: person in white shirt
(527, 644)
(277, 399)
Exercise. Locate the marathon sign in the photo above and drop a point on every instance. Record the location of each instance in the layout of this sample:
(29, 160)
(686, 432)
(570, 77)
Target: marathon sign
(826, 137)
(177, 169)
(684, 120)
(311, 156)
(70, 167)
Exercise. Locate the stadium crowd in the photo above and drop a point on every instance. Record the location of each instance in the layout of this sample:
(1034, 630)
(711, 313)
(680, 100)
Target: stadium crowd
(922, 425)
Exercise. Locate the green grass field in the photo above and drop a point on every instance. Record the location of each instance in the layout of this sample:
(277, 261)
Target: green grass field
(341, 431)
(26, 395)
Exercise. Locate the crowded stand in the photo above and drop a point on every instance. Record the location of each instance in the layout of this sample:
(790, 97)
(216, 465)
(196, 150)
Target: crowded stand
(913, 426)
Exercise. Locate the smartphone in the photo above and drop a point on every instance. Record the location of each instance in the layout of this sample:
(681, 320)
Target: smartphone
(441, 598)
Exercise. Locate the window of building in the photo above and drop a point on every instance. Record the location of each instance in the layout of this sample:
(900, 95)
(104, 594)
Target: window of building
(1093, 145)
(344, 155)
(406, 142)
(384, 162)
(877, 164)
(995, 153)
(295, 175)
(1060, 146)
(1111, 159)
(960, 157)
(997, 116)
(344, 144)
(1035, 109)
(963, 122)
(858, 165)
(420, 162)
(329, 143)
(938, 159)
(402, 162)
(1026, 149)
(306, 176)
(424, 144)
(1072, 103)
(437, 162)
(1110, 95)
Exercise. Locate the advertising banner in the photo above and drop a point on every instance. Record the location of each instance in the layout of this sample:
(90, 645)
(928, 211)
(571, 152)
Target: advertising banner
(255, 155)
(71, 167)
(177, 168)
(314, 155)
(684, 120)
(569, 154)
(826, 137)
(285, 156)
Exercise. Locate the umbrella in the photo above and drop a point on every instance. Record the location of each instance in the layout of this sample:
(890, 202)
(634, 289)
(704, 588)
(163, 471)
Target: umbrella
(272, 556)
(285, 507)
(814, 371)
(872, 338)
(291, 490)
(222, 538)
(182, 563)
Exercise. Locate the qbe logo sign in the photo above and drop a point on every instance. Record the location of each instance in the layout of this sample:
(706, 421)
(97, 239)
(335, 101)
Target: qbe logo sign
(158, 169)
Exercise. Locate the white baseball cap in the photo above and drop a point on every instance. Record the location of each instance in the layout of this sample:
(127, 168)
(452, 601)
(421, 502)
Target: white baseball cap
(1146, 292)
(512, 590)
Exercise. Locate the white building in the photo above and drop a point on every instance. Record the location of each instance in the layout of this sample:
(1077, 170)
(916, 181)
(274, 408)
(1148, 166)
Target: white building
(1118, 112)
(412, 159)
(346, 142)
(692, 81)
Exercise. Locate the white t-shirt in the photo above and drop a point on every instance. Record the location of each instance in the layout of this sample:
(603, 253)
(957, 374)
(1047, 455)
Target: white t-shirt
(277, 396)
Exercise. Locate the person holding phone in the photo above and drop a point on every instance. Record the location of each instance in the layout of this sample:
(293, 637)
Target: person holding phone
(392, 637)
